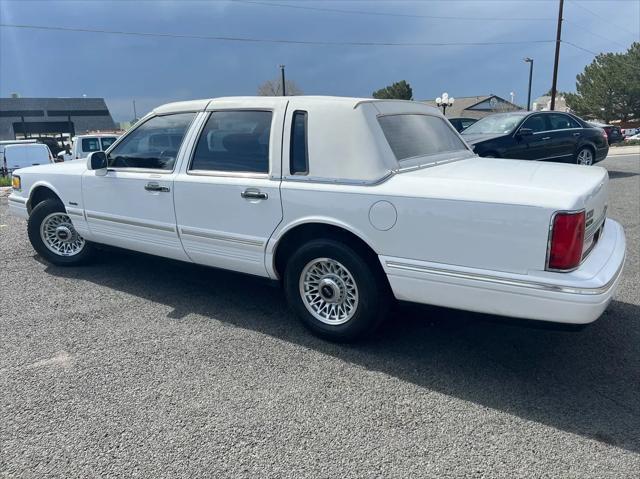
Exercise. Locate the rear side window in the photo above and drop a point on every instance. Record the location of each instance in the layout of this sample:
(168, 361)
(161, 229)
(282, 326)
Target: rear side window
(562, 122)
(152, 145)
(299, 153)
(413, 135)
(90, 144)
(236, 141)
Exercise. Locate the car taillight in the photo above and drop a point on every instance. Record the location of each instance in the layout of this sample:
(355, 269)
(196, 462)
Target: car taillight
(567, 239)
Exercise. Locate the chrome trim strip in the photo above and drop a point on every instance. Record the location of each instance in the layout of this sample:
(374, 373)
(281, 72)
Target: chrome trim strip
(18, 199)
(507, 281)
(130, 222)
(549, 237)
(338, 181)
(154, 171)
(228, 174)
(74, 213)
(234, 239)
(435, 163)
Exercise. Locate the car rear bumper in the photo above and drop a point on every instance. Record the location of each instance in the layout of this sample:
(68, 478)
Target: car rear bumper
(601, 153)
(578, 297)
(18, 206)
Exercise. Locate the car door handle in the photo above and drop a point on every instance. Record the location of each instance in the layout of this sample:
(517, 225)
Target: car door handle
(254, 195)
(547, 138)
(577, 134)
(156, 187)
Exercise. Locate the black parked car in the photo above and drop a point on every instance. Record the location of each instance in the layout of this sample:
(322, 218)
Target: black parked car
(614, 133)
(544, 135)
(461, 123)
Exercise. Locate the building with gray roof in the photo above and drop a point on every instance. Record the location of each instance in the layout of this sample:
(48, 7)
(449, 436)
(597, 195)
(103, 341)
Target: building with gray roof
(56, 117)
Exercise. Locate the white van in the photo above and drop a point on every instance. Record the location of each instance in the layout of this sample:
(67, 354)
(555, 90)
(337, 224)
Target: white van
(85, 144)
(29, 154)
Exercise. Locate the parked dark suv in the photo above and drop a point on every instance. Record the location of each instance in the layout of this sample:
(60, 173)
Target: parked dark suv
(545, 135)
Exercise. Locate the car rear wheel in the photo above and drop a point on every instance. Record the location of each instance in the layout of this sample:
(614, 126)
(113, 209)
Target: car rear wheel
(584, 156)
(335, 291)
(54, 237)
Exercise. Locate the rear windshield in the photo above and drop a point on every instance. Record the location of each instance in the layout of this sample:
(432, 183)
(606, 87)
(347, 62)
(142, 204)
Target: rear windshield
(414, 135)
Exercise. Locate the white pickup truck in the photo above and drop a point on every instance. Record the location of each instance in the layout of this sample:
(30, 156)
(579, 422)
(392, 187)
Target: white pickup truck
(83, 145)
(349, 202)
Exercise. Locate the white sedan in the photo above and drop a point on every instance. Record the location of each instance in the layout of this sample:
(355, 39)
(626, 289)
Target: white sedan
(348, 202)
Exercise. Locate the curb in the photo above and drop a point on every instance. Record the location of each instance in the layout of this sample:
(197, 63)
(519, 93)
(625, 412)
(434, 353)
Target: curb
(624, 150)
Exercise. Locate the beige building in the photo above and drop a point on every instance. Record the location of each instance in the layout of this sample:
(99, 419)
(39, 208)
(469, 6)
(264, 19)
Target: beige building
(477, 106)
(543, 103)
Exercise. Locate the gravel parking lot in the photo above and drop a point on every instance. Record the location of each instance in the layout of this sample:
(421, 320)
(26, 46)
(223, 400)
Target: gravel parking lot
(144, 367)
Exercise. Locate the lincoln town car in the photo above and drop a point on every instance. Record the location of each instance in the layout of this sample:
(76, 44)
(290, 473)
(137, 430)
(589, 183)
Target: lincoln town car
(349, 203)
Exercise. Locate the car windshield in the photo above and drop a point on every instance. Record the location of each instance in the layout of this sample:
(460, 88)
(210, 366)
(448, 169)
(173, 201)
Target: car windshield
(494, 124)
(412, 135)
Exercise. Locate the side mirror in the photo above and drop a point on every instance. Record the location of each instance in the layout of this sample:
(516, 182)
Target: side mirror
(97, 161)
(525, 132)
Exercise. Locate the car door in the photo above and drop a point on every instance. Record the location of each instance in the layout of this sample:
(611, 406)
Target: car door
(227, 196)
(565, 134)
(534, 146)
(131, 206)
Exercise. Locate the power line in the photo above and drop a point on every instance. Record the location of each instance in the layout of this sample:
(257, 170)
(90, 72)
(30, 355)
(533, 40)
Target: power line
(385, 14)
(594, 33)
(580, 48)
(635, 34)
(267, 40)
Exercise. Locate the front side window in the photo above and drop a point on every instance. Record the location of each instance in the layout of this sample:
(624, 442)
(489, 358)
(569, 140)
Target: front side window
(153, 145)
(298, 154)
(236, 141)
(90, 144)
(412, 135)
(535, 123)
(562, 122)
(107, 141)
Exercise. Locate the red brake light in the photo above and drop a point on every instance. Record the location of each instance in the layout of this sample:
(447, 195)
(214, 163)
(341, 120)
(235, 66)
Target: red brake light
(567, 239)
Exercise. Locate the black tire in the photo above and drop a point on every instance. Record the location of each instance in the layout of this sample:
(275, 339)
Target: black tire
(42, 211)
(371, 285)
(588, 150)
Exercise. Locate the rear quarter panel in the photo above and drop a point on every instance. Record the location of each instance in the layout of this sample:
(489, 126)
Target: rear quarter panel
(500, 237)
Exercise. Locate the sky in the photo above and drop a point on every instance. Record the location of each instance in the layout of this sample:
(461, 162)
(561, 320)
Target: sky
(156, 70)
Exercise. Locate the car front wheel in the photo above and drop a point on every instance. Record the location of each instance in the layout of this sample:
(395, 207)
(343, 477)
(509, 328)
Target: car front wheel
(335, 290)
(584, 157)
(54, 237)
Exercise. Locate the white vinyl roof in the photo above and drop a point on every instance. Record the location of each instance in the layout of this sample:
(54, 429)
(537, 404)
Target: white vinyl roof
(345, 140)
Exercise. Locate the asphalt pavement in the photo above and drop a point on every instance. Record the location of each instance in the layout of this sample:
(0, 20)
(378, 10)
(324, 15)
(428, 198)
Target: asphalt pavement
(144, 367)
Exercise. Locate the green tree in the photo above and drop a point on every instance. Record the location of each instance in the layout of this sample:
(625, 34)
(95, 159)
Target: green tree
(398, 91)
(609, 88)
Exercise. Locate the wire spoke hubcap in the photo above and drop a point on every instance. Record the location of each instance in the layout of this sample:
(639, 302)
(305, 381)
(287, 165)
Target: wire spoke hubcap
(59, 235)
(328, 291)
(585, 157)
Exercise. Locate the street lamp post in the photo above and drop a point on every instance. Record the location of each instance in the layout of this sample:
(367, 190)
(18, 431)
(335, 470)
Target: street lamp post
(284, 91)
(530, 62)
(444, 101)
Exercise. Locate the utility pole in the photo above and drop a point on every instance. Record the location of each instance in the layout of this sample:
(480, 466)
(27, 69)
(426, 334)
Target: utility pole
(557, 58)
(284, 91)
(135, 113)
(530, 62)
